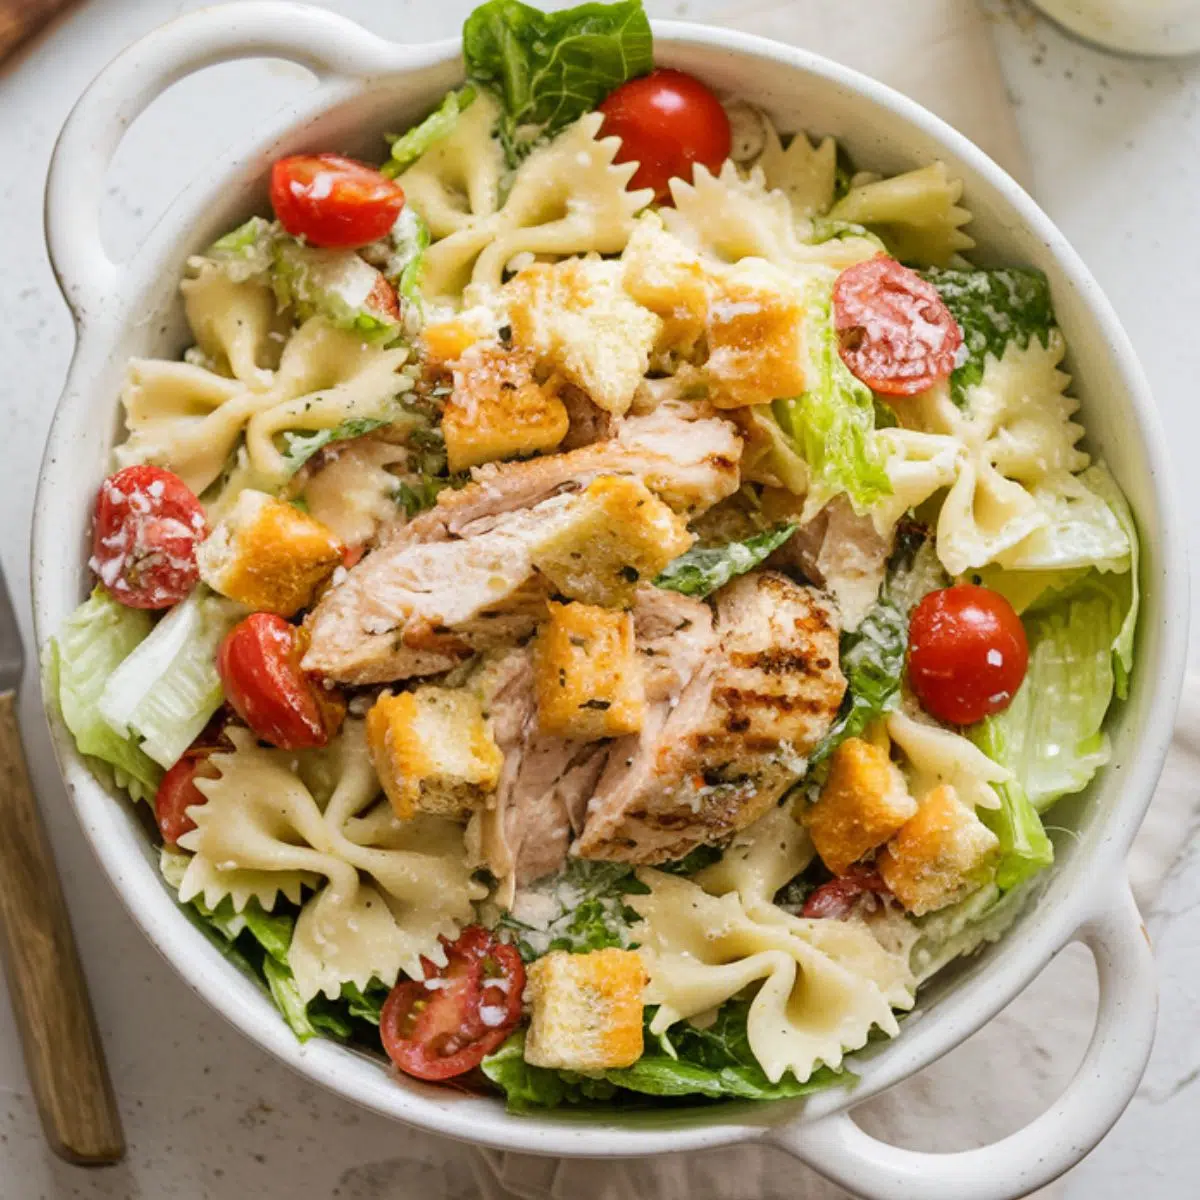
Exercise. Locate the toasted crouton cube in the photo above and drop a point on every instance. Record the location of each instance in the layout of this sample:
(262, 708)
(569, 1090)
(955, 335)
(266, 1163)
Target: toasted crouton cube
(667, 277)
(616, 534)
(578, 319)
(939, 855)
(756, 349)
(862, 803)
(497, 409)
(268, 555)
(586, 1010)
(433, 751)
(587, 673)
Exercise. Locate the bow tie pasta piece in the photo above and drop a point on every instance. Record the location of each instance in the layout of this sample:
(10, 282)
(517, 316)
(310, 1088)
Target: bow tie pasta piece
(457, 181)
(385, 894)
(1020, 448)
(237, 325)
(935, 757)
(730, 217)
(918, 465)
(917, 215)
(567, 198)
(811, 1006)
(803, 172)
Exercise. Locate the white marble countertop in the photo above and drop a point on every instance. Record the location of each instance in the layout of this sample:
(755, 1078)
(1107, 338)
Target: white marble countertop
(1115, 150)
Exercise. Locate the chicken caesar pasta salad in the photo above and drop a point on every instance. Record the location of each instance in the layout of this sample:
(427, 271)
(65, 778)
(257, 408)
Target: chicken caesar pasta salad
(604, 606)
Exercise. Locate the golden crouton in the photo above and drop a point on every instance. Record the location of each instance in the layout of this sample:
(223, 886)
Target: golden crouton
(938, 855)
(497, 409)
(586, 1010)
(268, 555)
(862, 803)
(667, 277)
(617, 534)
(433, 751)
(447, 341)
(588, 677)
(755, 330)
(577, 318)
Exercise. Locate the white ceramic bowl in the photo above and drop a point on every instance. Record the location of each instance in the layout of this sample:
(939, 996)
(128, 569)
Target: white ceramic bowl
(367, 85)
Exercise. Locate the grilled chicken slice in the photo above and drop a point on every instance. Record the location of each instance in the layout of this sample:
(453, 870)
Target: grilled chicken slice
(540, 800)
(674, 635)
(458, 579)
(683, 451)
(842, 553)
(717, 757)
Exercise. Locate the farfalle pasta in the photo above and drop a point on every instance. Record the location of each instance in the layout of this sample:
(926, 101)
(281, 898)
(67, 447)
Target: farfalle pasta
(597, 614)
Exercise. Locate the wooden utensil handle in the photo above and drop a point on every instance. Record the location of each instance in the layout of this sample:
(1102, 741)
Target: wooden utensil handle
(62, 1046)
(21, 19)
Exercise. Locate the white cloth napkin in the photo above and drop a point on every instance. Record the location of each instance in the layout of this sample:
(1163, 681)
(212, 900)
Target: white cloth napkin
(939, 52)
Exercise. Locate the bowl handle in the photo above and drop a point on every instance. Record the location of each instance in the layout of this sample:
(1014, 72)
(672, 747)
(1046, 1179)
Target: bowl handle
(329, 45)
(1106, 1080)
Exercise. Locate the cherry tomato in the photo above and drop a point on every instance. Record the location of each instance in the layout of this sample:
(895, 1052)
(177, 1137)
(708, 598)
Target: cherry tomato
(967, 653)
(382, 299)
(667, 121)
(147, 527)
(178, 792)
(444, 1025)
(837, 899)
(334, 201)
(259, 665)
(894, 332)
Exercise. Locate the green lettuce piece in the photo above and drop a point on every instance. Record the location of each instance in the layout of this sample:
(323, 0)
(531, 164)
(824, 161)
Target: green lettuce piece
(548, 69)
(94, 641)
(334, 284)
(711, 1063)
(167, 689)
(1025, 847)
(416, 495)
(827, 229)
(1051, 736)
(247, 252)
(365, 1005)
(300, 447)
(401, 258)
(832, 425)
(408, 147)
(992, 307)
(702, 570)
(586, 910)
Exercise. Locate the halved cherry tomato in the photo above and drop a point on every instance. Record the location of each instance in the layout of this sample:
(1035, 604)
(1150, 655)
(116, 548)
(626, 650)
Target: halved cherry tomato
(259, 665)
(837, 899)
(446, 1024)
(147, 527)
(334, 201)
(667, 122)
(967, 653)
(178, 792)
(894, 332)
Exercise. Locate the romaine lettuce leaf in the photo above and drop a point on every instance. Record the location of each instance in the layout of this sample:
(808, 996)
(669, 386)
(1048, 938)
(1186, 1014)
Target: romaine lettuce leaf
(334, 284)
(832, 425)
(166, 690)
(247, 252)
(712, 1062)
(702, 570)
(95, 640)
(548, 69)
(300, 447)
(1051, 736)
(992, 307)
(408, 147)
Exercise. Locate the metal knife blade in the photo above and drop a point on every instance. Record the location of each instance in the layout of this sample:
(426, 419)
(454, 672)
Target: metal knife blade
(12, 653)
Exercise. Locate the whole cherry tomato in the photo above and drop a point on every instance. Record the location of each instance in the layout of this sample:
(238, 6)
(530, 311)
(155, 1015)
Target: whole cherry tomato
(894, 332)
(147, 527)
(446, 1024)
(967, 653)
(667, 122)
(259, 665)
(837, 899)
(333, 201)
